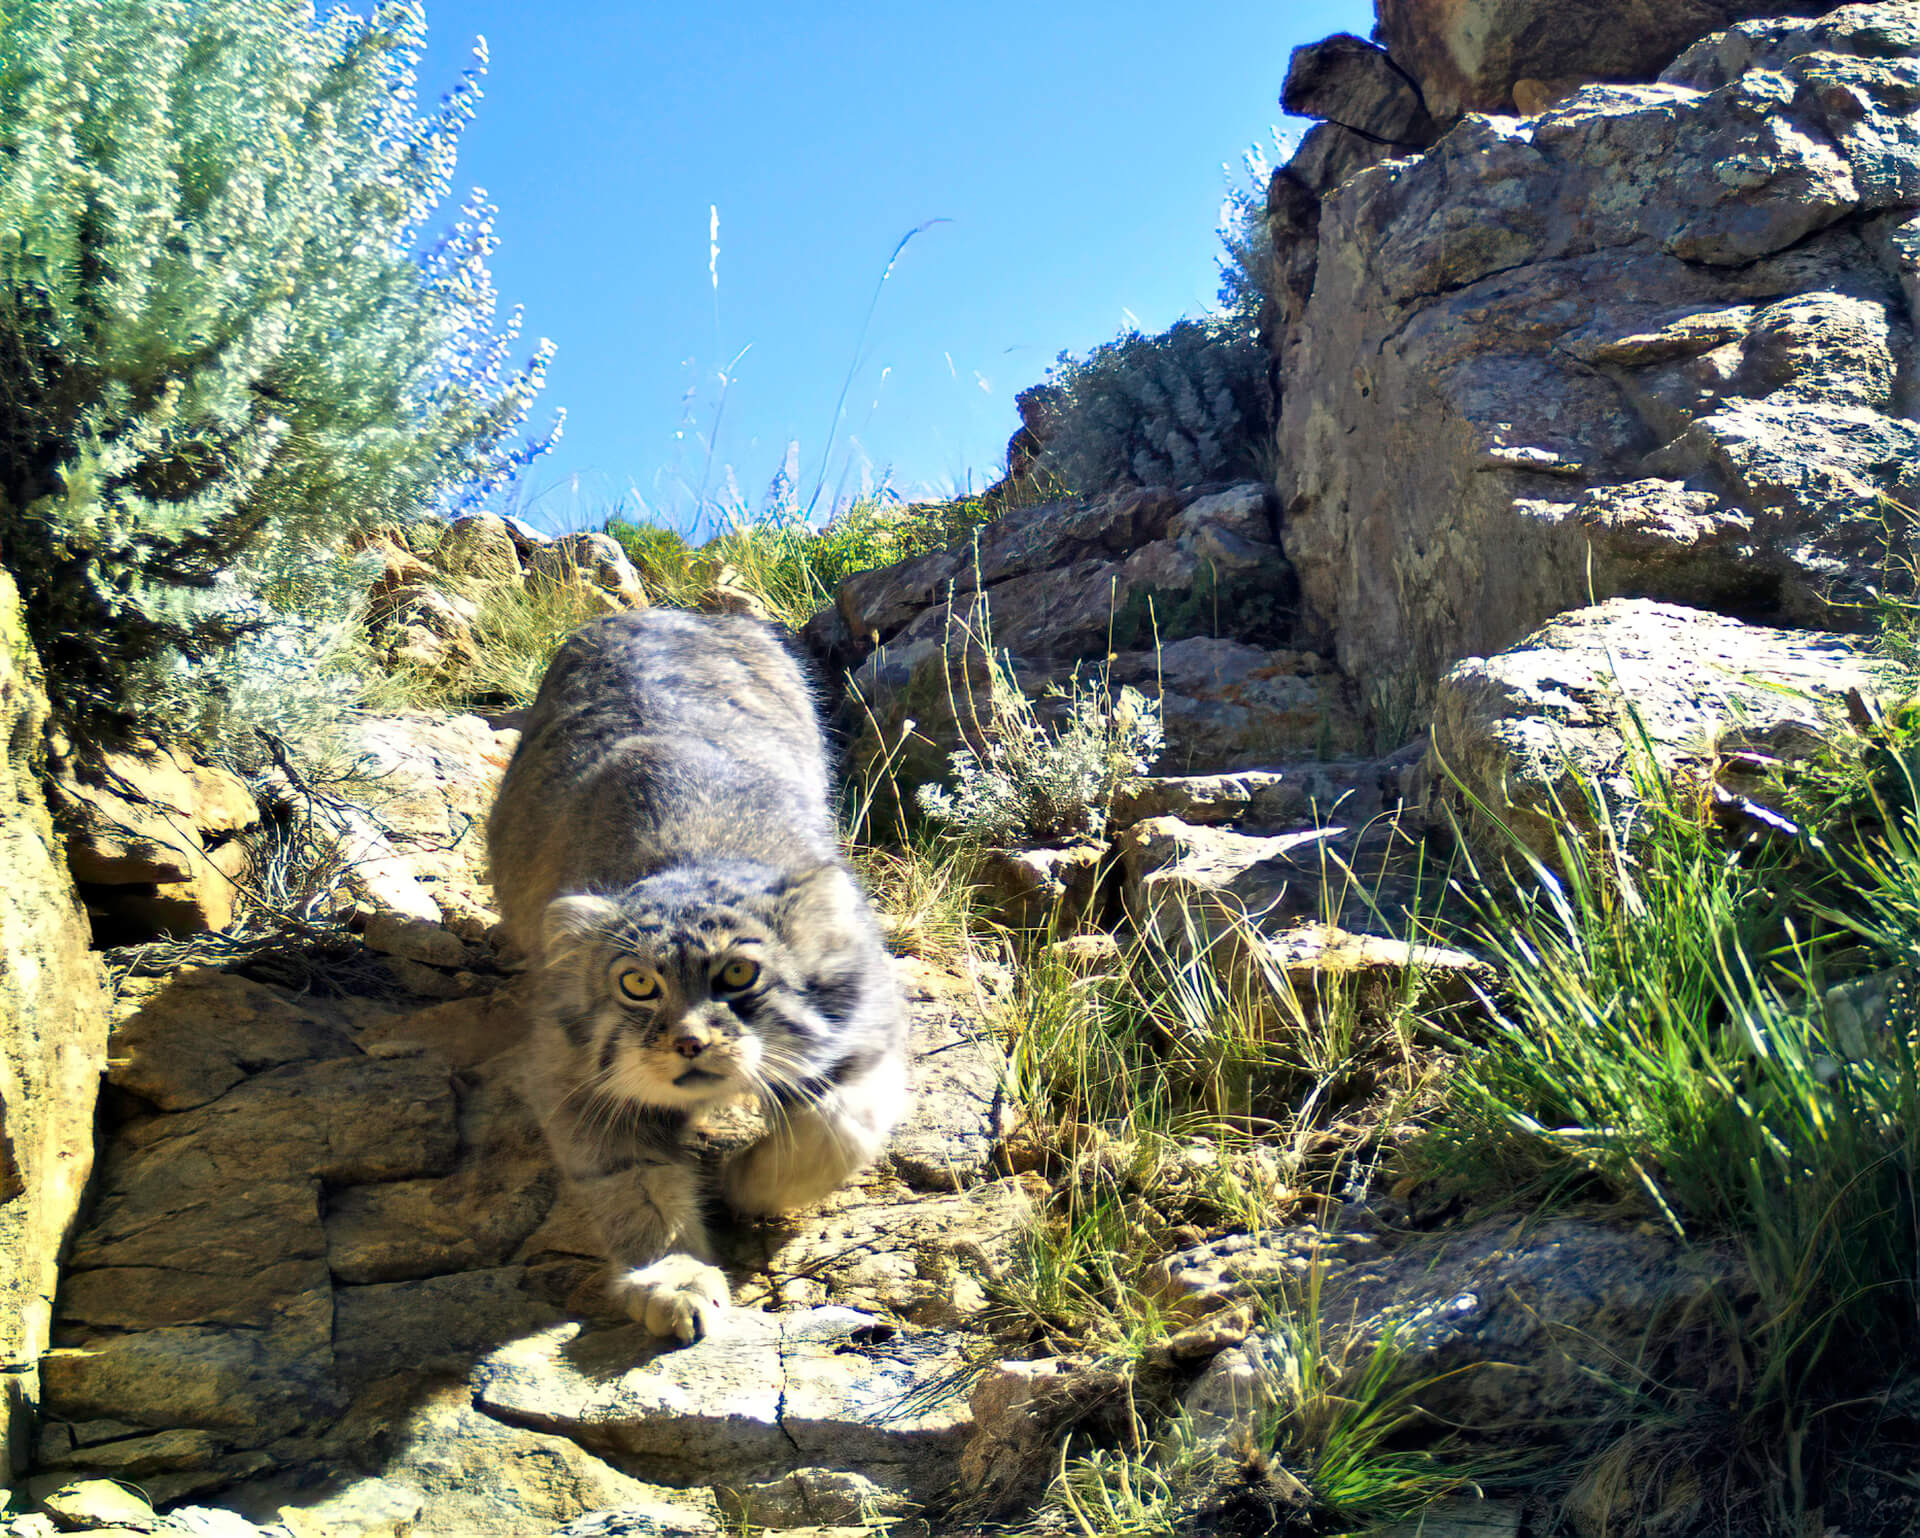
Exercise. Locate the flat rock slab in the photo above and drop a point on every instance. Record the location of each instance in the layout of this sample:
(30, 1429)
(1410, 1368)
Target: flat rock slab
(1629, 685)
(947, 1138)
(827, 1387)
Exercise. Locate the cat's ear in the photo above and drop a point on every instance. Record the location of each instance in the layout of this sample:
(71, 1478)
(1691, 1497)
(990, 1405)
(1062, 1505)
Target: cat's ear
(570, 920)
(823, 904)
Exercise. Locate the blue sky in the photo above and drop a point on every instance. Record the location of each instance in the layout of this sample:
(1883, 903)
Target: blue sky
(1075, 148)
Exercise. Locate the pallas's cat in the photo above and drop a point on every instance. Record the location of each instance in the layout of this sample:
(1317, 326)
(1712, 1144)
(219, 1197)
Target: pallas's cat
(663, 853)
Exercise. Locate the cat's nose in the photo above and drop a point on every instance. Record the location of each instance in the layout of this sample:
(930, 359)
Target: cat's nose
(690, 1038)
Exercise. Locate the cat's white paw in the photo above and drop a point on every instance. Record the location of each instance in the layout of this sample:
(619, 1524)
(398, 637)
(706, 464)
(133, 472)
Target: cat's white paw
(676, 1295)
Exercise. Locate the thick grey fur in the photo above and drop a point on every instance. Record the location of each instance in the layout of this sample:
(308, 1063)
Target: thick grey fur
(667, 815)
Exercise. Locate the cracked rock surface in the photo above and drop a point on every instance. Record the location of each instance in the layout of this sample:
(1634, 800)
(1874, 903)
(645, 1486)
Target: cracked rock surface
(1655, 340)
(330, 1284)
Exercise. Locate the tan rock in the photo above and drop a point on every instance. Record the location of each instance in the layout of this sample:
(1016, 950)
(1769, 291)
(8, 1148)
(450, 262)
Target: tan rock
(479, 545)
(394, 934)
(1468, 55)
(1044, 888)
(746, 1404)
(89, 1505)
(1220, 890)
(1289, 795)
(53, 1034)
(596, 559)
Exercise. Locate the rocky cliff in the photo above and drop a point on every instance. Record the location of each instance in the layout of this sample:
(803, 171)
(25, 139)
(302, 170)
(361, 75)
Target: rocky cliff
(53, 1037)
(1594, 330)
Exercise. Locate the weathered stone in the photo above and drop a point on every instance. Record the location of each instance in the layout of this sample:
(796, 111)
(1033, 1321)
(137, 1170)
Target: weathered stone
(393, 934)
(1646, 343)
(925, 1258)
(1288, 796)
(1564, 1297)
(1208, 886)
(946, 1140)
(432, 779)
(1355, 84)
(251, 1382)
(1470, 55)
(1226, 705)
(1237, 1392)
(467, 1475)
(1020, 1411)
(344, 1120)
(596, 559)
(136, 1457)
(479, 545)
(1579, 703)
(474, 1217)
(152, 834)
(827, 1386)
(1461, 1519)
(652, 1520)
(89, 1505)
(1225, 1273)
(53, 1034)
(811, 1497)
(204, 1031)
(437, 1323)
(1044, 888)
(1318, 961)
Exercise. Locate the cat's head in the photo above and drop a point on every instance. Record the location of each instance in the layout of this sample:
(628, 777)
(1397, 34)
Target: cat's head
(705, 982)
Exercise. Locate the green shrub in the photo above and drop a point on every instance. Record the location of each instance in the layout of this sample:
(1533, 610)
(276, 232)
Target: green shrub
(220, 350)
(1189, 405)
(1669, 1027)
(1032, 780)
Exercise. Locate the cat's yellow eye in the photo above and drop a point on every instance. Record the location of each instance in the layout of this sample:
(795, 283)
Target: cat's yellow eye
(738, 974)
(639, 984)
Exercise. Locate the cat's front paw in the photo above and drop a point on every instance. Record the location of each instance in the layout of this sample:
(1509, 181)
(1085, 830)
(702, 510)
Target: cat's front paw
(676, 1295)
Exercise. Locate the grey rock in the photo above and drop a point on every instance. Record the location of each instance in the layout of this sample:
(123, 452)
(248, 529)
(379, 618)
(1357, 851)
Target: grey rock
(1512, 1324)
(947, 1138)
(928, 1258)
(479, 545)
(1461, 1519)
(1288, 796)
(645, 1521)
(1042, 888)
(811, 1497)
(394, 934)
(1198, 886)
(1577, 373)
(1353, 83)
(1587, 697)
(435, 1324)
(825, 1386)
(463, 1474)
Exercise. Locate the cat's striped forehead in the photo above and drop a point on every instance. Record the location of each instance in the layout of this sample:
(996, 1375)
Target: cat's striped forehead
(683, 929)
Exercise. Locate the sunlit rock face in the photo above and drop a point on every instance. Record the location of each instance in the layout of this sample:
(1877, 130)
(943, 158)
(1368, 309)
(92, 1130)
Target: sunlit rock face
(1655, 341)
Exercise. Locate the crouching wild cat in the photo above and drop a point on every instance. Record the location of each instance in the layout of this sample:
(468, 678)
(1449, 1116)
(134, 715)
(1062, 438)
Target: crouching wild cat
(663, 853)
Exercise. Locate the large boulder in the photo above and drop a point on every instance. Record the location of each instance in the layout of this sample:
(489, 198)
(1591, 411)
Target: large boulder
(1598, 700)
(1508, 55)
(53, 1037)
(1647, 343)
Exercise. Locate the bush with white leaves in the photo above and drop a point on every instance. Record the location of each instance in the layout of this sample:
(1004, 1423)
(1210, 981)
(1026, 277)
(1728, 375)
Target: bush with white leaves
(223, 347)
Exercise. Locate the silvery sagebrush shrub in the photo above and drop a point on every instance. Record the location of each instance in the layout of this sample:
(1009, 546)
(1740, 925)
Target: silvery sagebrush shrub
(1191, 404)
(225, 346)
(1030, 779)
